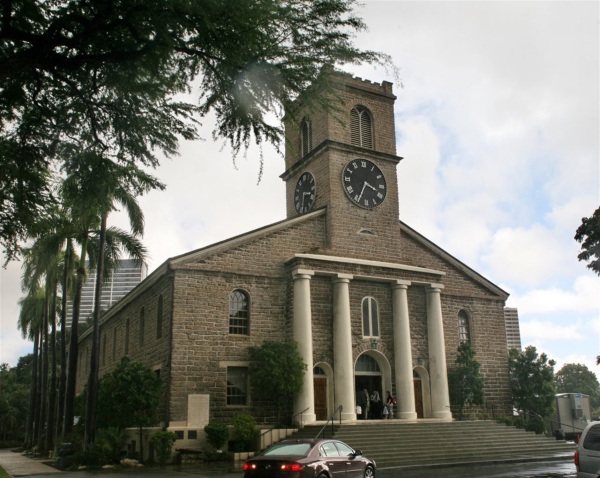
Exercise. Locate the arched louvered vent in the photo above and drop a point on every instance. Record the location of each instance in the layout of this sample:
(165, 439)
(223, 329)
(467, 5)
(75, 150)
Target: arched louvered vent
(306, 137)
(361, 127)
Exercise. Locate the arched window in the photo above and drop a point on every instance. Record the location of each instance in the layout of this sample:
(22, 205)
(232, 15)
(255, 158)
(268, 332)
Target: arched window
(239, 312)
(142, 326)
(464, 333)
(367, 364)
(159, 317)
(305, 137)
(318, 371)
(361, 127)
(370, 317)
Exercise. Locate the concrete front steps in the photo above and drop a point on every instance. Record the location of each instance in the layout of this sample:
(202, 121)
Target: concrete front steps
(400, 444)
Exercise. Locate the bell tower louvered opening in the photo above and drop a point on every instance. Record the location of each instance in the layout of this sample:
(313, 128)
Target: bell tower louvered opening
(361, 127)
(306, 137)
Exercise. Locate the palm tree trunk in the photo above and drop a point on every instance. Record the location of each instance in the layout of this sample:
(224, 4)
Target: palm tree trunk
(43, 431)
(37, 424)
(92, 395)
(63, 342)
(29, 427)
(74, 346)
(51, 430)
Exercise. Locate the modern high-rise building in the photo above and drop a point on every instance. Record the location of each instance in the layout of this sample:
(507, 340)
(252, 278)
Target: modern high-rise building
(122, 280)
(513, 334)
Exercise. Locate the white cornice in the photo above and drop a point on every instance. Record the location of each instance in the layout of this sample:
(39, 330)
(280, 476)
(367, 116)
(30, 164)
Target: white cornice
(366, 262)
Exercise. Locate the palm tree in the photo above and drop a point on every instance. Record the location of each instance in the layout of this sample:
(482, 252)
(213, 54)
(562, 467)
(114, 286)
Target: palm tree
(30, 321)
(79, 192)
(51, 256)
(42, 264)
(121, 186)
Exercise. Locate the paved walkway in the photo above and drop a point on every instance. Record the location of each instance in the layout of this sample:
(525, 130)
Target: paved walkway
(16, 464)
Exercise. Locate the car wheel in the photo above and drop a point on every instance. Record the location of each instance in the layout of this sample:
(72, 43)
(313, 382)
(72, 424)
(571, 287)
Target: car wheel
(322, 475)
(369, 472)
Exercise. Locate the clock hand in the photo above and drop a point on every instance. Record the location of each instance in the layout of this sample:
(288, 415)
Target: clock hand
(304, 194)
(368, 185)
(362, 190)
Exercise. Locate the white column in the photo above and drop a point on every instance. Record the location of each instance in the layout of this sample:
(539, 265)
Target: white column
(303, 337)
(440, 399)
(343, 367)
(405, 389)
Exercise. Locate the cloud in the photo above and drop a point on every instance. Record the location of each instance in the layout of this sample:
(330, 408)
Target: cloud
(12, 345)
(582, 298)
(527, 256)
(539, 330)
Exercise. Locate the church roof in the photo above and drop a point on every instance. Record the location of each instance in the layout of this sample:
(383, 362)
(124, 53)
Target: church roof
(264, 231)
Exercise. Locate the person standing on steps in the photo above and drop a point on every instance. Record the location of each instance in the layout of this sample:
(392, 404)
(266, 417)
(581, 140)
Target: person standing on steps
(376, 408)
(389, 404)
(365, 403)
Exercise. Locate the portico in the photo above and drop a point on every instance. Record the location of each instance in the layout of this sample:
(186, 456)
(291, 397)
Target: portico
(345, 349)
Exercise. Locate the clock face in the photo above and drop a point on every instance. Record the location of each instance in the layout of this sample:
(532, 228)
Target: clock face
(304, 195)
(364, 183)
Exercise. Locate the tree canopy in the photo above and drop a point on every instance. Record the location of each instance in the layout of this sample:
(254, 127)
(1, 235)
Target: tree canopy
(107, 78)
(276, 372)
(577, 378)
(466, 384)
(14, 398)
(588, 234)
(129, 396)
(532, 381)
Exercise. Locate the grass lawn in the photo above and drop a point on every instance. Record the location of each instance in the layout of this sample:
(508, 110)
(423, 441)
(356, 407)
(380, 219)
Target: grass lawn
(3, 473)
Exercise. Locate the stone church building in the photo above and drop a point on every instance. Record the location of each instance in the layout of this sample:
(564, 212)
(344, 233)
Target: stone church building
(371, 302)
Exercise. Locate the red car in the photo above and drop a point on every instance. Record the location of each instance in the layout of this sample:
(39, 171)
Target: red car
(309, 458)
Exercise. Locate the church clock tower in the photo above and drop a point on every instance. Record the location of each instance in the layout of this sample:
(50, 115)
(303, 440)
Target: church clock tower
(344, 159)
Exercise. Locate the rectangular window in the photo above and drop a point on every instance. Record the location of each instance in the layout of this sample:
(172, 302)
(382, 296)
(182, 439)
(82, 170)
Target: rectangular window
(114, 348)
(159, 317)
(126, 337)
(142, 327)
(237, 385)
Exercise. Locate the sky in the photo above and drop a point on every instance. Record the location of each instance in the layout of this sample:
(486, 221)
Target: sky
(497, 119)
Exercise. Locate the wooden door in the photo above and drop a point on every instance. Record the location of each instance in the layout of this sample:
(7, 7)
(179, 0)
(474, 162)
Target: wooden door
(418, 398)
(320, 384)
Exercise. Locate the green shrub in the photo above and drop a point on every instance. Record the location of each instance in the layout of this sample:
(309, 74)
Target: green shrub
(244, 431)
(93, 458)
(217, 434)
(162, 443)
(111, 441)
(535, 424)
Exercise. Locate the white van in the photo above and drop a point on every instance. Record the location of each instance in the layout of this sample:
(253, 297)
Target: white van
(587, 454)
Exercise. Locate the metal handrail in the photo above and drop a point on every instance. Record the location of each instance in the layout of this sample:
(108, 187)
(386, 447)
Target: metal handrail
(301, 418)
(340, 408)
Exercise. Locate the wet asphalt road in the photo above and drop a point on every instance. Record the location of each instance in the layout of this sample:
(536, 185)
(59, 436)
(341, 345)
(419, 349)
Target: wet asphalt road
(549, 469)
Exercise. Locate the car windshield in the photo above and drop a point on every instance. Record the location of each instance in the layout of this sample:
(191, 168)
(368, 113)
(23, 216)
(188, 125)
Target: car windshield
(294, 449)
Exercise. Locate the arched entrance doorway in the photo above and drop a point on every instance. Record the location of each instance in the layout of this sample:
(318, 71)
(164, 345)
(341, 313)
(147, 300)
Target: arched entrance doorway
(368, 376)
(418, 387)
(320, 392)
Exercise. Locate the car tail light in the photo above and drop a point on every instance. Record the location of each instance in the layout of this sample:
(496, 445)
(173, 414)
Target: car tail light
(291, 467)
(576, 458)
(249, 467)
